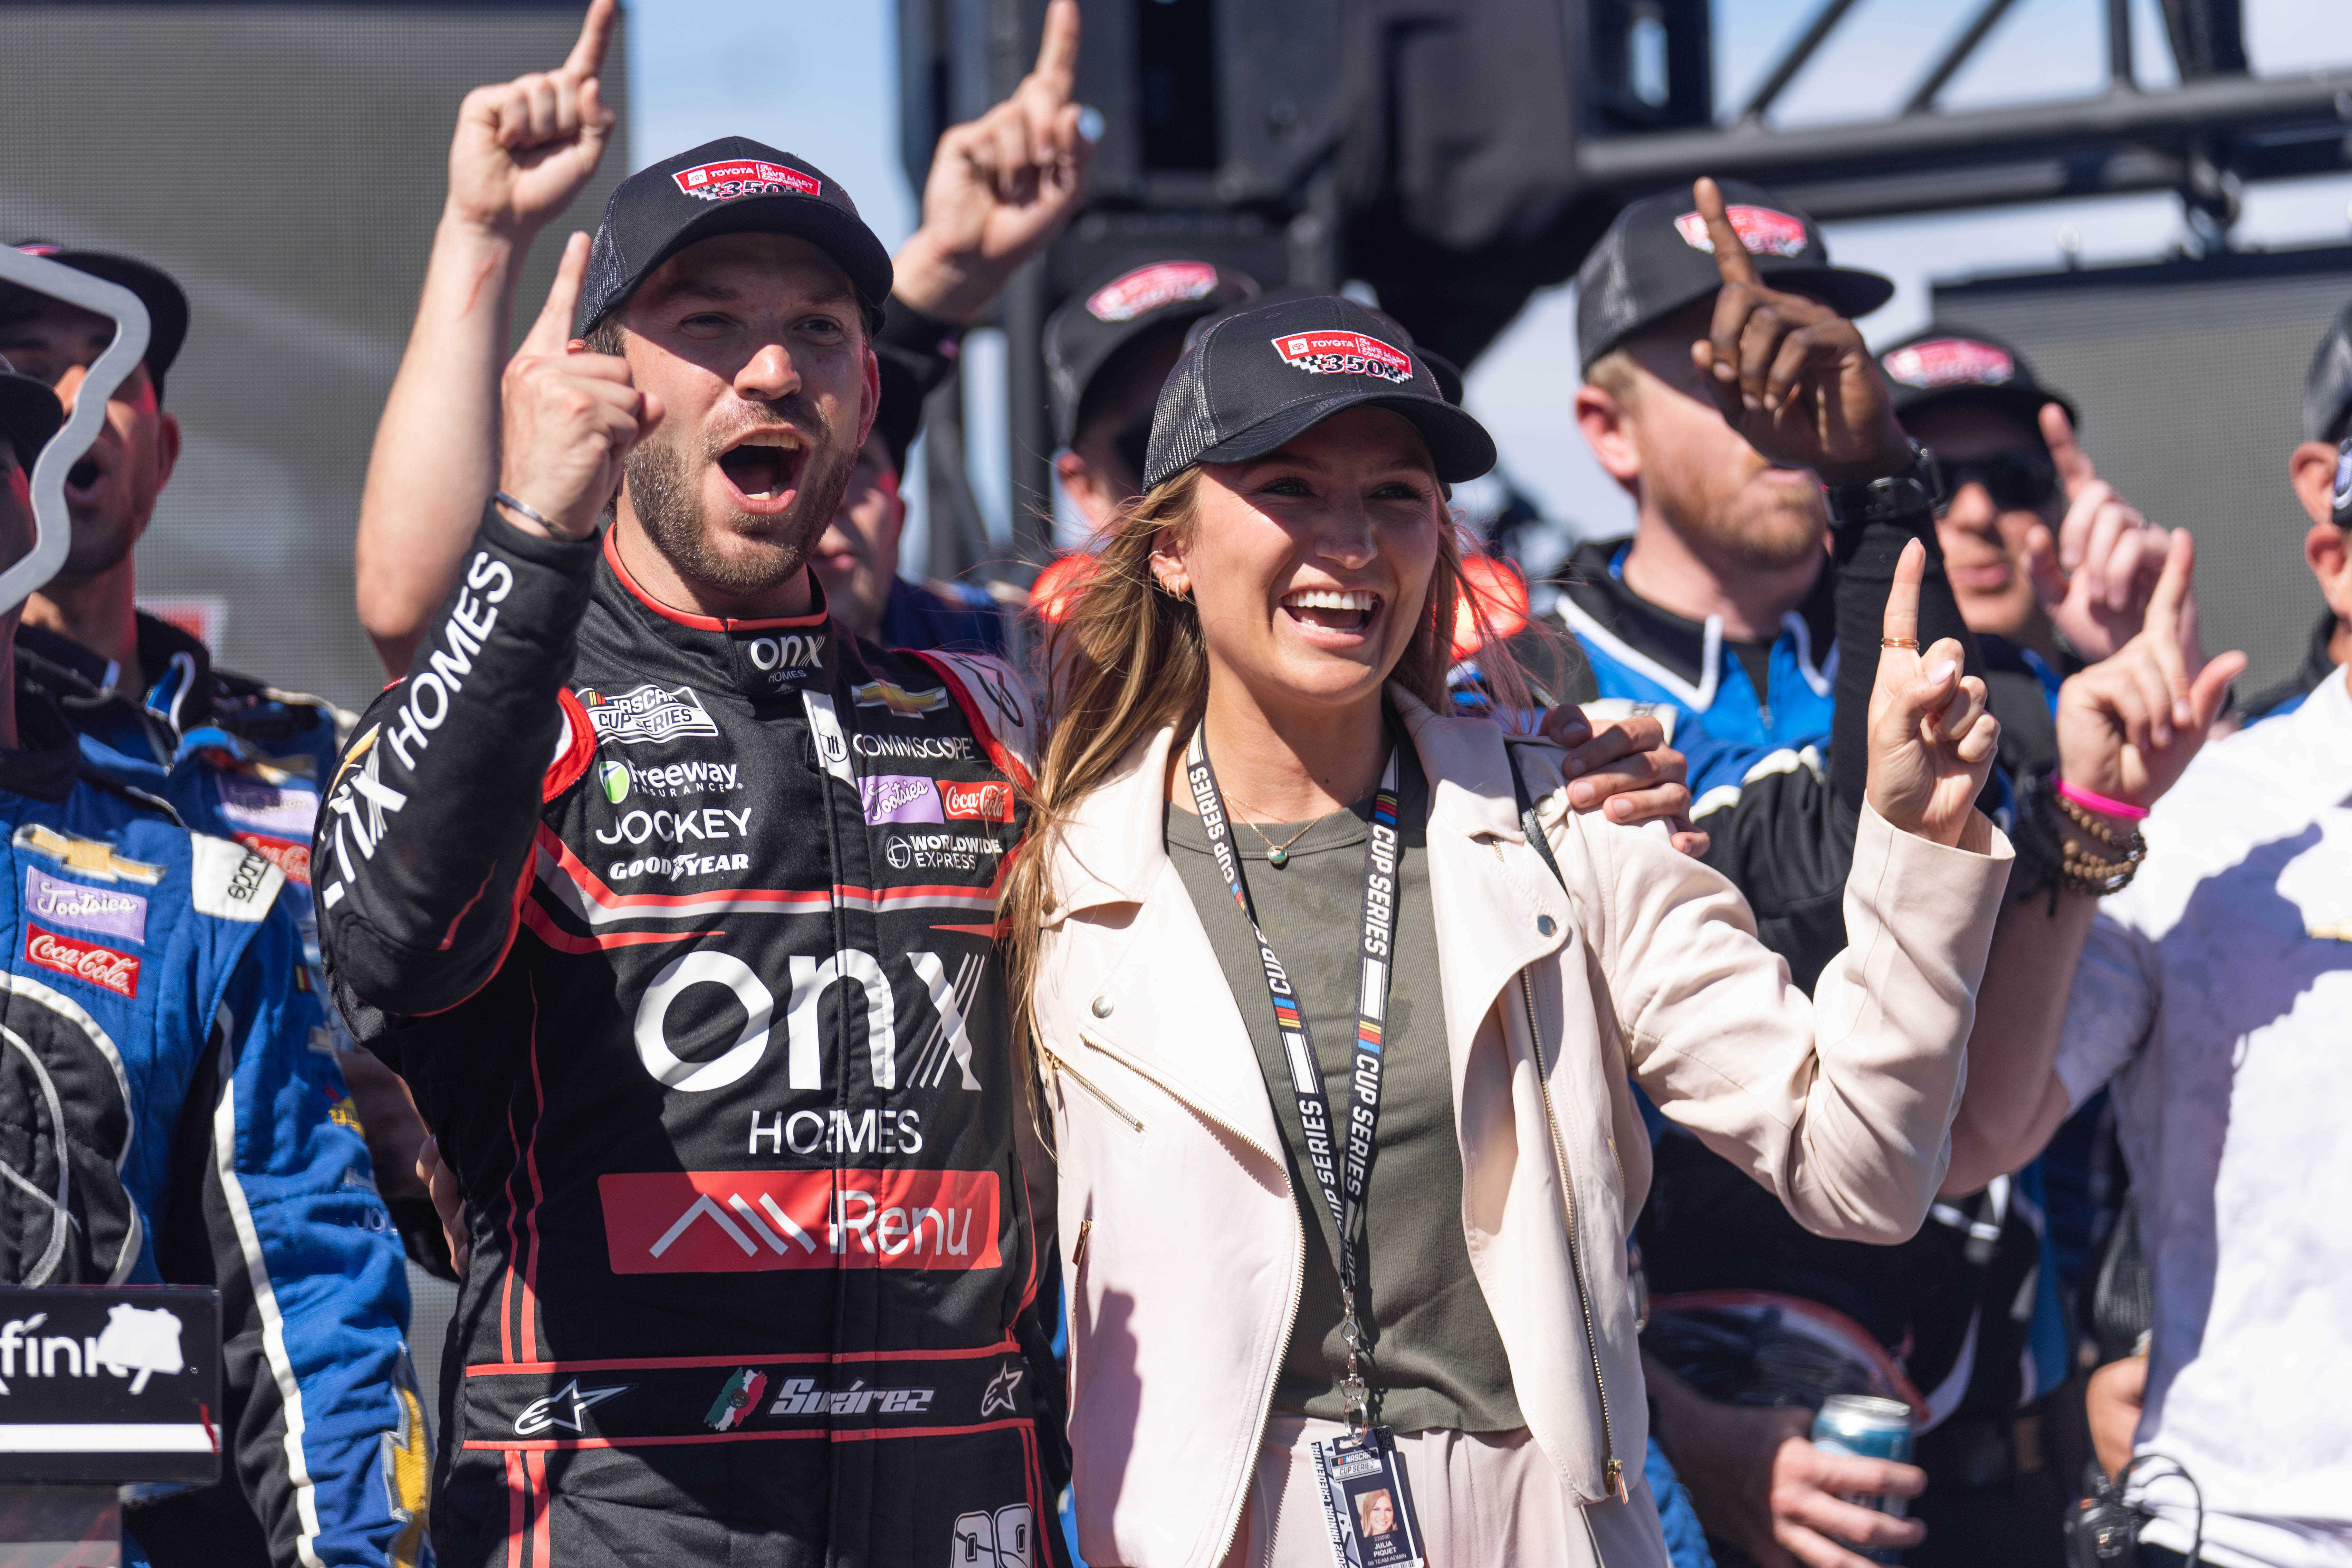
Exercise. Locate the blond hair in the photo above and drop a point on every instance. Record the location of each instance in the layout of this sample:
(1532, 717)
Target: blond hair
(1123, 658)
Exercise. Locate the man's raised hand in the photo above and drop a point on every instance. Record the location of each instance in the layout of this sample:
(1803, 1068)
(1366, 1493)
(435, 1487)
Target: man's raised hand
(2128, 726)
(569, 417)
(1000, 186)
(2095, 575)
(523, 149)
(1790, 373)
(1931, 741)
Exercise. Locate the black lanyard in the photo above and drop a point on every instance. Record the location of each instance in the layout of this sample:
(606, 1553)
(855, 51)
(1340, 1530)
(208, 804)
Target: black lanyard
(1343, 1187)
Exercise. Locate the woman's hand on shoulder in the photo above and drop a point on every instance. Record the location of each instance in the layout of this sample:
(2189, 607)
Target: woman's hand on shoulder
(1932, 742)
(1624, 770)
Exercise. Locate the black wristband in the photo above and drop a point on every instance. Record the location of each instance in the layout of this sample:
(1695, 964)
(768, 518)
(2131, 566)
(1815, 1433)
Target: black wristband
(1919, 487)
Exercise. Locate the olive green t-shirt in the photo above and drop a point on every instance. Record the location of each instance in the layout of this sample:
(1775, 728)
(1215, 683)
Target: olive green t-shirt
(1437, 1361)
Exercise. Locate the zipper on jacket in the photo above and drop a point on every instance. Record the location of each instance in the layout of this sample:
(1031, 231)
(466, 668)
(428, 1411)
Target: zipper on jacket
(1613, 1472)
(1093, 1089)
(1298, 1277)
(1079, 1253)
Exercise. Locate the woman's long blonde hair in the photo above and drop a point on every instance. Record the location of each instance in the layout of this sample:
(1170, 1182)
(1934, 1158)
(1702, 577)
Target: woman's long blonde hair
(1122, 656)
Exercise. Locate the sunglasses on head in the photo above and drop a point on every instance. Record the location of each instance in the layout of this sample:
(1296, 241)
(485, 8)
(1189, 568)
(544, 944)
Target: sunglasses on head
(2018, 480)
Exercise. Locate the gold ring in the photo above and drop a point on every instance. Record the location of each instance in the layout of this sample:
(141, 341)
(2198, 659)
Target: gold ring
(1911, 643)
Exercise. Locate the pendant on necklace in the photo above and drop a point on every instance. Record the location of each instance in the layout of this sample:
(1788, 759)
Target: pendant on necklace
(1276, 855)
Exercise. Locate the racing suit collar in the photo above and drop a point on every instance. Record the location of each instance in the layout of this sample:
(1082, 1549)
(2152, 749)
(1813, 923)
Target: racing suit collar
(1593, 585)
(47, 757)
(763, 659)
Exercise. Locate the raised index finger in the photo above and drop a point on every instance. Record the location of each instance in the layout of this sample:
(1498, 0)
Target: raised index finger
(1058, 51)
(553, 328)
(2168, 606)
(1902, 622)
(2073, 464)
(1731, 258)
(587, 56)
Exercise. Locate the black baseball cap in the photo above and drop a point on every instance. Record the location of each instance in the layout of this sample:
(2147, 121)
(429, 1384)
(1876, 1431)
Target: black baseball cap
(30, 412)
(1947, 366)
(167, 304)
(1656, 259)
(1122, 306)
(2327, 384)
(1258, 377)
(733, 185)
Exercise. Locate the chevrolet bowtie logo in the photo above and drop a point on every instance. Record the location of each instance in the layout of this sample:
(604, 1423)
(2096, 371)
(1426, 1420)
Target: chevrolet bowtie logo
(90, 856)
(899, 699)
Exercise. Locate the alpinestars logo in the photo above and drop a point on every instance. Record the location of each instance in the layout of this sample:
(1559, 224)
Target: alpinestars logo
(1344, 353)
(998, 1395)
(647, 714)
(567, 1407)
(736, 177)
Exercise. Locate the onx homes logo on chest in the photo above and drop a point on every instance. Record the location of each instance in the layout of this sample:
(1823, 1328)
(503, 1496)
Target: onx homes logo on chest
(647, 714)
(1344, 353)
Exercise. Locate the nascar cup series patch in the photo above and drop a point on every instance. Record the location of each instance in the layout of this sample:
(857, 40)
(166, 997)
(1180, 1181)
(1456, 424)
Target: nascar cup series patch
(1951, 362)
(1344, 353)
(724, 182)
(1149, 287)
(1763, 231)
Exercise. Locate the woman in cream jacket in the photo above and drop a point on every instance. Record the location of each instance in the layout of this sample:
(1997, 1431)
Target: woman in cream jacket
(1287, 590)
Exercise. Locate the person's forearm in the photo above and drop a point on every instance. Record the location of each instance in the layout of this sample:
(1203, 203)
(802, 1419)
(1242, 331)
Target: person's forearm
(2013, 1101)
(1865, 562)
(436, 447)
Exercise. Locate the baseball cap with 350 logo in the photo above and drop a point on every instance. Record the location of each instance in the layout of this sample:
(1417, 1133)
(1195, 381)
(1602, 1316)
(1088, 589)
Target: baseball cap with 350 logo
(733, 185)
(1657, 258)
(1253, 380)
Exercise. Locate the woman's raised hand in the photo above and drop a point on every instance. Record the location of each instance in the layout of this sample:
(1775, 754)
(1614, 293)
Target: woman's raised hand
(1931, 741)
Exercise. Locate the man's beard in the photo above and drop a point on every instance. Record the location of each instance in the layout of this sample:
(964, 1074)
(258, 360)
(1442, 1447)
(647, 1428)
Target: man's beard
(664, 492)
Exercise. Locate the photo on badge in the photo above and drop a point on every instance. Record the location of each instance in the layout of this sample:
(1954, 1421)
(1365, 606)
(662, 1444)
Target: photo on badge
(1367, 1506)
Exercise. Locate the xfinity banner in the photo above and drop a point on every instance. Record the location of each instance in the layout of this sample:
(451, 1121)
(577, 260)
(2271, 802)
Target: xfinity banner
(109, 1385)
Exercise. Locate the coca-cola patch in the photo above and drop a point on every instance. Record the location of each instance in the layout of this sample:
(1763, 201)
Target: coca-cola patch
(991, 801)
(1951, 362)
(288, 855)
(1149, 287)
(1763, 231)
(724, 182)
(101, 967)
(1344, 353)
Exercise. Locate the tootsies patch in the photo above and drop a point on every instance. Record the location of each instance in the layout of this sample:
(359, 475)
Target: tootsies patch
(109, 911)
(899, 797)
(738, 1222)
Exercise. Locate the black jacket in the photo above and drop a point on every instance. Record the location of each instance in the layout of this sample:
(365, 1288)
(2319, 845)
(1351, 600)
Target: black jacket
(680, 929)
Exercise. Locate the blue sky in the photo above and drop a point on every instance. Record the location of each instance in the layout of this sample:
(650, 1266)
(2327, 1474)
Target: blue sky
(822, 80)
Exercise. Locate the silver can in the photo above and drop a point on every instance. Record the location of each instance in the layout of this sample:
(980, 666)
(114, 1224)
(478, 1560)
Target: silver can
(1868, 1427)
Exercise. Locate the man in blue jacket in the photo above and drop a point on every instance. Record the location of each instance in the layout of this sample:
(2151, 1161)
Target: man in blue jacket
(171, 1112)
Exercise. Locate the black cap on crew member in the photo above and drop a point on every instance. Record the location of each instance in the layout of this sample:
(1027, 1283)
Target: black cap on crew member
(1122, 306)
(733, 185)
(1945, 365)
(1656, 259)
(1257, 378)
(29, 413)
(167, 306)
(2327, 384)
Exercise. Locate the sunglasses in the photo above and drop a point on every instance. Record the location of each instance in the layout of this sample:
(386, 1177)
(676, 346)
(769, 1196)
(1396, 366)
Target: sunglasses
(2018, 480)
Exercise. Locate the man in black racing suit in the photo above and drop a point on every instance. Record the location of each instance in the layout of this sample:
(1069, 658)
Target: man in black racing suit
(674, 904)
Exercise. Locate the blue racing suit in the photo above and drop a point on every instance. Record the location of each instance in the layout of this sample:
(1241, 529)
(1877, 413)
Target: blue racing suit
(166, 1038)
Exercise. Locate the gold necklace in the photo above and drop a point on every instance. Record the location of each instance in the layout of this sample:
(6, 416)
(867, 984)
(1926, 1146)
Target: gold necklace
(1276, 855)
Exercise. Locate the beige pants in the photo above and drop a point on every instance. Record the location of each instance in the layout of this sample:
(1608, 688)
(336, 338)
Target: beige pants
(1483, 1498)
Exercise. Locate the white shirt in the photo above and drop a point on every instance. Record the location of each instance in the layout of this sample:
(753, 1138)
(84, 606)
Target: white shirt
(2225, 1025)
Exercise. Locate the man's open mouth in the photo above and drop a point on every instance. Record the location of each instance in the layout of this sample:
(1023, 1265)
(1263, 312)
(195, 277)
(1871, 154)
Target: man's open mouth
(766, 466)
(1332, 609)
